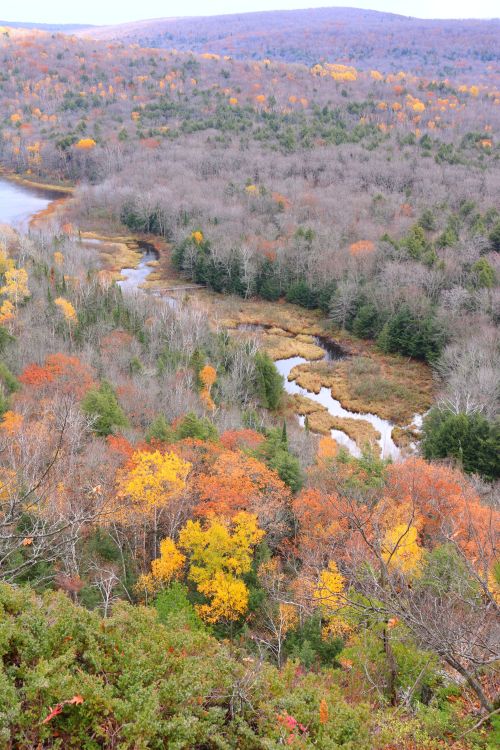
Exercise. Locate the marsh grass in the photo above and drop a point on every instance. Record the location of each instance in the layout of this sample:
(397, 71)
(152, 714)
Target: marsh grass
(405, 436)
(314, 376)
(391, 387)
(281, 347)
(321, 421)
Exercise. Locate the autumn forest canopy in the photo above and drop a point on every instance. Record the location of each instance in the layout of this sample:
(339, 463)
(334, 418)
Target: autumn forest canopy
(249, 384)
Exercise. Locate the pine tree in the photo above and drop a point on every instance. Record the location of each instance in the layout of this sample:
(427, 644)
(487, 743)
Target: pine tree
(160, 430)
(269, 381)
(102, 405)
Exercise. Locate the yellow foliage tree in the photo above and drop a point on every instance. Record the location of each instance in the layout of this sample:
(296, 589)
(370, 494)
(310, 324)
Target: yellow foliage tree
(400, 548)
(152, 479)
(11, 423)
(150, 485)
(220, 554)
(323, 711)
(207, 376)
(67, 309)
(7, 312)
(228, 598)
(16, 285)
(289, 617)
(6, 263)
(329, 597)
(164, 568)
(329, 588)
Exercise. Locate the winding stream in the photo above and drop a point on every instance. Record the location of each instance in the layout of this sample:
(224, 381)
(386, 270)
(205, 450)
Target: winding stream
(134, 277)
(387, 445)
(18, 203)
(332, 352)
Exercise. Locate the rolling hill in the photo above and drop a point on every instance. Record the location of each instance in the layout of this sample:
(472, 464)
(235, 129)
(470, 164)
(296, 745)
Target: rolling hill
(370, 38)
(63, 28)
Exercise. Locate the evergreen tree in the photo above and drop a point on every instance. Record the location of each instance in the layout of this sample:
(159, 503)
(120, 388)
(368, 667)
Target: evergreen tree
(483, 274)
(5, 338)
(301, 294)
(160, 430)
(288, 469)
(269, 381)
(366, 323)
(494, 237)
(469, 438)
(102, 405)
(276, 453)
(195, 427)
(197, 362)
(7, 378)
(404, 332)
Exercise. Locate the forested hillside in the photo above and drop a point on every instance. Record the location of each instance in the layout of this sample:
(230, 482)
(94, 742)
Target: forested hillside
(184, 563)
(365, 38)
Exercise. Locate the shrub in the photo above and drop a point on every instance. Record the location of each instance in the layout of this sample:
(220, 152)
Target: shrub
(130, 681)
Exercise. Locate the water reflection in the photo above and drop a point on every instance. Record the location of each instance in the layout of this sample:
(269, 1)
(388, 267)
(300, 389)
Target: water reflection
(18, 203)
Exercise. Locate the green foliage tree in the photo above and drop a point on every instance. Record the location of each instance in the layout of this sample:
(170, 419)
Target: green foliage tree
(366, 323)
(5, 338)
(192, 426)
(102, 405)
(483, 274)
(269, 381)
(7, 378)
(307, 643)
(275, 451)
(160, 430)
(427, 220)
(173, 606)
(197, 362)
(494, 237)
(419, 337)
(301, 294)
(415, 242)
(469, 438)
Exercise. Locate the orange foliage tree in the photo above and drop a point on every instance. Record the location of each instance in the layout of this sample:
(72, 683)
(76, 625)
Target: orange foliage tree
(235, 482)
(59, 373)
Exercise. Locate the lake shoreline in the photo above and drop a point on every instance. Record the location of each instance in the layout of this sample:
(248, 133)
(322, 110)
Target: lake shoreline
(29, 183)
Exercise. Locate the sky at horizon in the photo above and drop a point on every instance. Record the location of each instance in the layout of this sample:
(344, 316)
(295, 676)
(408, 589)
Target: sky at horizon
(98, 12)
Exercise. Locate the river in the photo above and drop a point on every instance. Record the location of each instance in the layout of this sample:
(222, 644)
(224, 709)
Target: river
(18, 203)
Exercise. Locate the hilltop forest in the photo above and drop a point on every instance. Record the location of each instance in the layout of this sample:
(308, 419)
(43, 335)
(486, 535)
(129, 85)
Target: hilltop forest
(184, 562)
